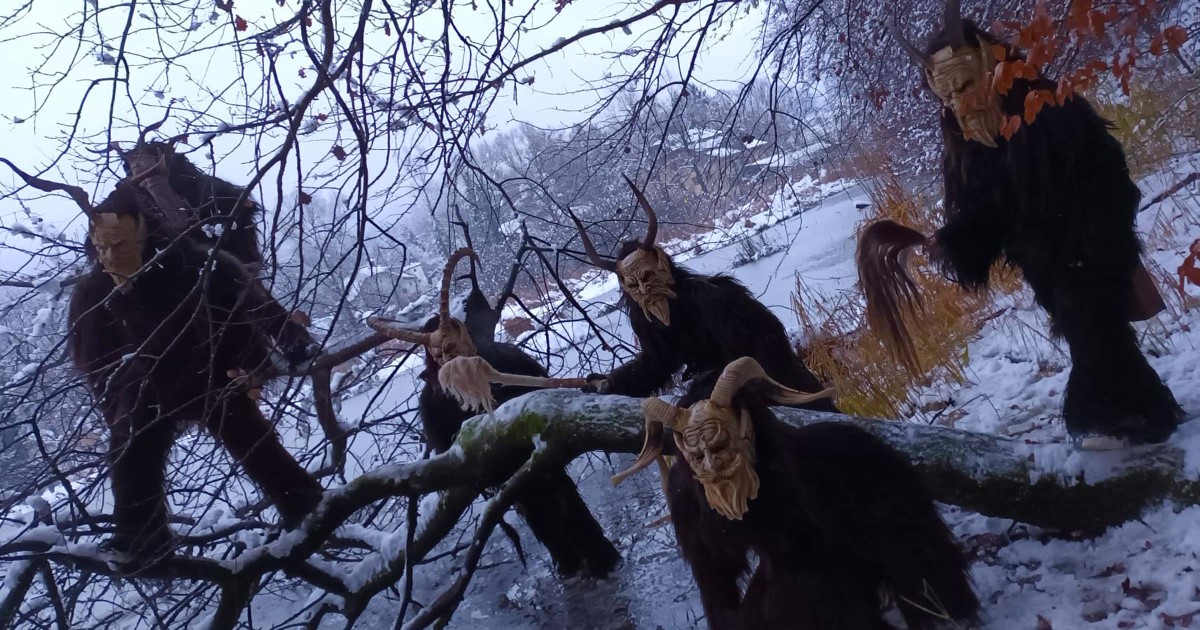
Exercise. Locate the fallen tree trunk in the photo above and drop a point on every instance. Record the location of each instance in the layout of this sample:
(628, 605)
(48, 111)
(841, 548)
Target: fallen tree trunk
(1050, 485)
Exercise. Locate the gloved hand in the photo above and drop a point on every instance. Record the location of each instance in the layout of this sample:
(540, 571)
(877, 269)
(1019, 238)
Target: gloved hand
(596, 384)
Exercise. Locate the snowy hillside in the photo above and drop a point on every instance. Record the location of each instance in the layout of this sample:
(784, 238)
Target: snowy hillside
(1138, 575)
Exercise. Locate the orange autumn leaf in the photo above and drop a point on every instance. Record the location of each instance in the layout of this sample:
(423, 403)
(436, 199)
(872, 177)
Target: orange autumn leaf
(1034, 102)
(1077, 19)
(1037, 56)
(1156, 44)
(1010, 127)
(1188, 273)
(1175, 36)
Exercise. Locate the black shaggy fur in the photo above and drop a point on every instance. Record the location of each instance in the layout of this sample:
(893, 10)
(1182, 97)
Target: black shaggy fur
(842, 526)
(558, 517)
(714, 320)
(157, 358)
(212, 201)
(1057, 201)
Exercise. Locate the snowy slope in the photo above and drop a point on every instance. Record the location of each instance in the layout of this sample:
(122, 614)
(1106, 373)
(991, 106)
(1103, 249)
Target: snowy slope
(1138, 575)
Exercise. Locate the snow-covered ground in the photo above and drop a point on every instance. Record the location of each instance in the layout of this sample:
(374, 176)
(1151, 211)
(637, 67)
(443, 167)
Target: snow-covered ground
(1138, 575)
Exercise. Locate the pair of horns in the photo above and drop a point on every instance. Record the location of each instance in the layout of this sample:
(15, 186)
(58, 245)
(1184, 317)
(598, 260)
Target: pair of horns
(609, 264)
(951, 21)
(660, 413)
(390, 329)
(77, 194)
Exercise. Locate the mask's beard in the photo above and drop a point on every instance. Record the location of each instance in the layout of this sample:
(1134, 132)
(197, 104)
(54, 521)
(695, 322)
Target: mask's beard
(466, 380)
(980, 124)
(445, 346)
(730, 491)
(646, 277)
(963, 80)
(656, 305)
(719, 448)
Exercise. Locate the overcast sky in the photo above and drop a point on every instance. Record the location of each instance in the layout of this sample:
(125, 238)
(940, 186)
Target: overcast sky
(32, 140)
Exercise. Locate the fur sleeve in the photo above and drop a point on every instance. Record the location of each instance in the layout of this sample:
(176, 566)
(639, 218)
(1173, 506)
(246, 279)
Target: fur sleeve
(261, 309)
(94, 337)
(648, 372)
(969, 247)
(974, 234)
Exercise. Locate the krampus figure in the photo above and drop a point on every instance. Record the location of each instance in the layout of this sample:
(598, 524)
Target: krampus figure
(164, 331)
(840, 522)
(1056, 201)
(456, 375)
(683, 319)
(206, 199)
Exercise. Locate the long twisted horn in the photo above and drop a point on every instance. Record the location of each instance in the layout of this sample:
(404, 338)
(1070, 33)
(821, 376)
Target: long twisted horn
(590, 248)
(952, 20)
(447, 279)
(915, 53)
(651, 218)
(659, 413)
(77, 194)
(746, 369)
(391, 330)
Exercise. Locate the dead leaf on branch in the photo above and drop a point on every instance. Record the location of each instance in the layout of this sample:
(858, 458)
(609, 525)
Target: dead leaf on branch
(1175, 37)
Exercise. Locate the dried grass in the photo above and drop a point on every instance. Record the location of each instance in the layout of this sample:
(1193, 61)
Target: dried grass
(842, 351)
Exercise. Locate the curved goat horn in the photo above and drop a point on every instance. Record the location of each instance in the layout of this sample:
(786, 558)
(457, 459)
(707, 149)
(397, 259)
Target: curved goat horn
(391, 330)
(659, 413)
(590, 248)
(746, 369)
(77, 194)
(154, 126)
(447, 280)
(651, 218)
(952, 21)
(915, 53)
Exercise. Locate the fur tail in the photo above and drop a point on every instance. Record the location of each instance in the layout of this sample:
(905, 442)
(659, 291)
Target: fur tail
(561, 520)
(883, 251)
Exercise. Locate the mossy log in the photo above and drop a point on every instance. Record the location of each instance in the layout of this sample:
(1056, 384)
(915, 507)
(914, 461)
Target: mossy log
(1054, 486)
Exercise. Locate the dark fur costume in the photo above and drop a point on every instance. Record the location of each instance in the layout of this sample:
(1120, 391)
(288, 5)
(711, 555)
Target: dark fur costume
(714, 320)
(840, 517)
(1057, 201)
(157, 357)
(212, 201)
(558, 517)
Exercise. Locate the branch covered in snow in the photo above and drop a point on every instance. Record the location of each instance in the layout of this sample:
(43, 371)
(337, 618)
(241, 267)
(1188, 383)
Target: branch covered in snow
(1050, 485)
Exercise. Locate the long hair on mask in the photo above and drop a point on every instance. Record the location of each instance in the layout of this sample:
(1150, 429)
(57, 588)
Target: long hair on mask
(884, 250)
